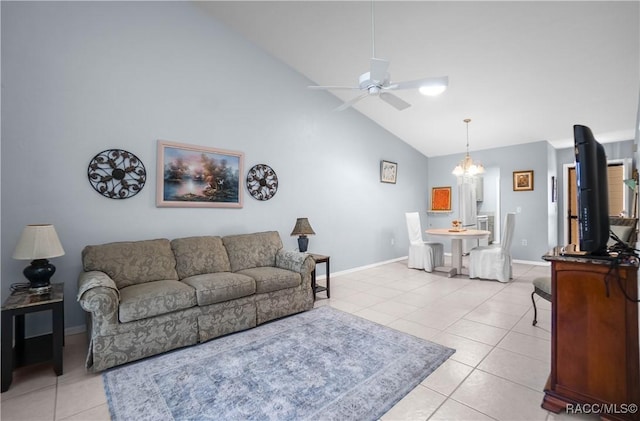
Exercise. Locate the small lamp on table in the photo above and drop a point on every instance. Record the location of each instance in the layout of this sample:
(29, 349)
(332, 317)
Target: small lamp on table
(302, 229)
(38, 243)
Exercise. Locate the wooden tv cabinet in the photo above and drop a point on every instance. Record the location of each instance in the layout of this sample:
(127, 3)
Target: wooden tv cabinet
(595, 363)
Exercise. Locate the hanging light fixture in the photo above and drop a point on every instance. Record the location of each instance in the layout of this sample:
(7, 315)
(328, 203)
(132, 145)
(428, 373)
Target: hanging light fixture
(467, 167)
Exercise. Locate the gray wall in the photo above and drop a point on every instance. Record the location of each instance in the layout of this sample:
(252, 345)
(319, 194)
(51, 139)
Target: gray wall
(78, 78)
(532, 221)
(541, 221)
(636, 159)
(552, 206)
(81, 77)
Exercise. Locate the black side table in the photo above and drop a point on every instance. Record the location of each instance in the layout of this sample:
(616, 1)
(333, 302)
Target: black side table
(319, 258)
(37, 349)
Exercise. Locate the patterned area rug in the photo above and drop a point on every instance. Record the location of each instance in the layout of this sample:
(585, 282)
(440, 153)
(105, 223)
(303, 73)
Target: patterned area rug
(319, 365)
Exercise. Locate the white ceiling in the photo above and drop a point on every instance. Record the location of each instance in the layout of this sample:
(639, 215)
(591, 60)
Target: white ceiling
(522, 71)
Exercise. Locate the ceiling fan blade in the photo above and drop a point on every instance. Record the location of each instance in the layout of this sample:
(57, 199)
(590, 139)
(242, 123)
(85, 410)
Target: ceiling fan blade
(418, 83)
(395, 101)
(325, 88)
(378, 69)
(351, 102)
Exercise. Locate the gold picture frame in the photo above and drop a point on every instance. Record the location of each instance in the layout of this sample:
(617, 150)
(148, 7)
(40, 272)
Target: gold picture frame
(523, 180)
(441, 199)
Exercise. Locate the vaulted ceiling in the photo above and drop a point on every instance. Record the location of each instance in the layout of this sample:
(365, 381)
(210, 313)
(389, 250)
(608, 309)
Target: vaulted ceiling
(522, 71)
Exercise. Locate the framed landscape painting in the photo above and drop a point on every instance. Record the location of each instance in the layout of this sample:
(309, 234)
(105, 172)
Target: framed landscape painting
(198, 176)
(441, 199)
(522, 180)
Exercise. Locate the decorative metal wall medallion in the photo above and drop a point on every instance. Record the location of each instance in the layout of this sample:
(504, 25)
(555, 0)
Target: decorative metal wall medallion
(117, 174)
(262, 182)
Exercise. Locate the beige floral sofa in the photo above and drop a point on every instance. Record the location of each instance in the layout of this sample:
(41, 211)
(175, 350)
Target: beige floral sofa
(148, 297)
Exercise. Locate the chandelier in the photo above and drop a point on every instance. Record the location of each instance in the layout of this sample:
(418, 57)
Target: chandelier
(467, 167)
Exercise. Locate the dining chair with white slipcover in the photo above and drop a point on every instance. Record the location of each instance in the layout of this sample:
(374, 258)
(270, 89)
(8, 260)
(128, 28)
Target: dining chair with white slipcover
(422, 254)
(494, 261)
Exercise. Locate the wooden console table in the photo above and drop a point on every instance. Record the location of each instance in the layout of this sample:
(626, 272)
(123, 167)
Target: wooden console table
(594, 338)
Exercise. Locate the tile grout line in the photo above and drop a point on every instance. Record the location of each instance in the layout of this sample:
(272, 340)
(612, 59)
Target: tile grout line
(473, 368)
(477, 366)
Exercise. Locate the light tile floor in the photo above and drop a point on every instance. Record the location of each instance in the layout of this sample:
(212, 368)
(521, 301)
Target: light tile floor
(497, 373)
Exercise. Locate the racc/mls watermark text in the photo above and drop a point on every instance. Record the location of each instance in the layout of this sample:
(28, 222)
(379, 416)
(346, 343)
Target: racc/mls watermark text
(602, 408)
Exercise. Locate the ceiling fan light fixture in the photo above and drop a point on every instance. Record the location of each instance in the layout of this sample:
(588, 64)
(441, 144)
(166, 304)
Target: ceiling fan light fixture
(432, 90)
(377, 81)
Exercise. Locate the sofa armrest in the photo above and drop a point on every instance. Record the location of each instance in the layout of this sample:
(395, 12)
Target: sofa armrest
(295, 261)
(98, 294)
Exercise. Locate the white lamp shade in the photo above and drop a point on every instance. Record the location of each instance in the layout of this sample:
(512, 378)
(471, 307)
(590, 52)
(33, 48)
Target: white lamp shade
(38, 242)
(468, 167)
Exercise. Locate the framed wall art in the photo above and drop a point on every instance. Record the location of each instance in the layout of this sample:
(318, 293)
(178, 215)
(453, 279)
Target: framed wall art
(523, 180)
(262, 182)
(117, 174)
(198, 176)
(441, 199)
(388, 172)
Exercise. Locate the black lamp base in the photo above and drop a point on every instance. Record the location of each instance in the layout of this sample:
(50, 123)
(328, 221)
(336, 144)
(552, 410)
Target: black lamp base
(39, 273)
(303, 243)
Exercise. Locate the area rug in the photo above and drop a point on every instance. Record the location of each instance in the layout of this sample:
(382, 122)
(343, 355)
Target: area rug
(323, 364)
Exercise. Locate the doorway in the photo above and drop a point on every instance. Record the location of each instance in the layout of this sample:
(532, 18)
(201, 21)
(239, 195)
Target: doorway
(489, 204)
(616, 171)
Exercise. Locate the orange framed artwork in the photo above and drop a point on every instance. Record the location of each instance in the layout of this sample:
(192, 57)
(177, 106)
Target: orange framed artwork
(441, 198)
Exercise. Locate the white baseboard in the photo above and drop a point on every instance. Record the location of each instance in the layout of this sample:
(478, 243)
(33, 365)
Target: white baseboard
(74, 330)
(532, 262)
(359, 268)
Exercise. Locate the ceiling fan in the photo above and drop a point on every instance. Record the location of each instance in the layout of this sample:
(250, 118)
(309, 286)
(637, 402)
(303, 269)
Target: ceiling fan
(377, 81)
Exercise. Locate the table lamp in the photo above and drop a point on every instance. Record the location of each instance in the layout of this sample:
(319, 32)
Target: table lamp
(38, 243)
(302, 228)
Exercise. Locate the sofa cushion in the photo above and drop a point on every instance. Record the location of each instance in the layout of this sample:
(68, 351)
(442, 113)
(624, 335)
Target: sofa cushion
(252, 250)
(198, 255)
(269, 279)
(132, 262)
(150, 299)
(217, 287)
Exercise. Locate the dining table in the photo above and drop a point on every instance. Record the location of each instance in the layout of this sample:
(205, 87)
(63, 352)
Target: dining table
(456, 236)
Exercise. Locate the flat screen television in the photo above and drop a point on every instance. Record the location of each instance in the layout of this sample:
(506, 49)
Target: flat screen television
(593, 194)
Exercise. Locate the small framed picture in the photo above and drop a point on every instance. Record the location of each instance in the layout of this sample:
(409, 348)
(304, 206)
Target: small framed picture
(388, 172)
(441, 199)
(523, 180)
